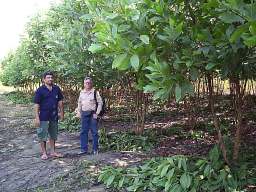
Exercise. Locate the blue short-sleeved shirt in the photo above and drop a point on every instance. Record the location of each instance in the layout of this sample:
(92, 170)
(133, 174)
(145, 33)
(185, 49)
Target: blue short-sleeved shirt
(48, 102)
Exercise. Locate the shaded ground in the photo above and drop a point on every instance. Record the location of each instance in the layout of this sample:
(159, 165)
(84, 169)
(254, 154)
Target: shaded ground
(23, 170)
(21, 166)
(189, 130)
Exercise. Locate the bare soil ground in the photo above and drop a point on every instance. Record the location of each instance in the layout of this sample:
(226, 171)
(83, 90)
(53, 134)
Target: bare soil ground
(21, 168)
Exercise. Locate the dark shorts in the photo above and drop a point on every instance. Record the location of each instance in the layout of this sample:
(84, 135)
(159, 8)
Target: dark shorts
(47, 129)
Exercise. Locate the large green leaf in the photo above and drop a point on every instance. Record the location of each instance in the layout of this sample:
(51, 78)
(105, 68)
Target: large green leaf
(135, 62)
(214, 154)
(86, 17)
(123, 28)
(185, 181)
(144, 39)
(210, 66)
(121, 182)
(178, 92)
(207, 170)
(171, 173)
(211, 4)
(251, 41)
(179, 27)
(238, 32)
(121, 62)
(110, 180)
(114, 30)
(194, 74)
(160, 94)
(230, 17)
(150, 88)
(167, 186)
(164, 170)
(252, 28)
(176, 188)
(163, 37)
(94, 48)
(187, 87)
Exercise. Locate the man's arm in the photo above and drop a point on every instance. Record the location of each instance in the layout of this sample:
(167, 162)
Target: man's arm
(61, 109)
(60, 104)
(100, 102)
(37, 101)
(37, 120)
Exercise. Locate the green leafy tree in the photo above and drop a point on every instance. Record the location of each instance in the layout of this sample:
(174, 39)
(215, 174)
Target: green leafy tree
(170, 44)
(58, 41)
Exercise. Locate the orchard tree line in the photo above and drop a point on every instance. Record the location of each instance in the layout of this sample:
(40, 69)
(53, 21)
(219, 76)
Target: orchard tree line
(150, 49)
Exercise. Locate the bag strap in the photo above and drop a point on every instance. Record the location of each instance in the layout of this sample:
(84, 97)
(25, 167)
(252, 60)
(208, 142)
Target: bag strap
(95, 98)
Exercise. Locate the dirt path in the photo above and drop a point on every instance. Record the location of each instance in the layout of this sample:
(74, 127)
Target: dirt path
(21, 168)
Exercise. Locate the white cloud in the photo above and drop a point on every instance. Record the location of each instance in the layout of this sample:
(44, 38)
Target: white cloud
(14, 14)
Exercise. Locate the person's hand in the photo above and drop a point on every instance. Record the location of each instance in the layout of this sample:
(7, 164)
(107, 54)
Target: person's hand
(37, 122)
(95, 116)
(61, 116)
(78, 114)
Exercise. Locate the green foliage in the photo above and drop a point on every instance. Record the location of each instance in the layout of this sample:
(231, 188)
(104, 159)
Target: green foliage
(166, 44)
(19, 97)
(169, 44)
(57, 41)
(127, 141)
(71, 123)
(176, 173)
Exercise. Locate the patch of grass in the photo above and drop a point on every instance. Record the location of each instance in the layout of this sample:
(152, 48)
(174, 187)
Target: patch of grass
(161, 115)
(180, 132)
(248, 155)
(71, 123)
(18, 97)
(120, 109)
(128, 141)
(251, 115)
(173, 130)
(127, 118)
(39, 189)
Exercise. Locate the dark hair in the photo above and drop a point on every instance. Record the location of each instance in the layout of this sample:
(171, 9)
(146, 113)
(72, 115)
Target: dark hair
(47, 73)
(88, 78)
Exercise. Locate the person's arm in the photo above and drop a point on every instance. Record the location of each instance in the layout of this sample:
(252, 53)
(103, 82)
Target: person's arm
(100, 103)
(61, 105)
(37, 100)
(61, 109)
(37, 119)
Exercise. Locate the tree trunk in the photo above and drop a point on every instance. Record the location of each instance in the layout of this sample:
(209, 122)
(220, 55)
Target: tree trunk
(141, 108)
(215, 119)
(239, 117)
(189, 106)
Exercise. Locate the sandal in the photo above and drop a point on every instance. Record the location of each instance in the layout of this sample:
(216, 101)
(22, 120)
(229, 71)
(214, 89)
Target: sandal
(57, 155)
(44, 157)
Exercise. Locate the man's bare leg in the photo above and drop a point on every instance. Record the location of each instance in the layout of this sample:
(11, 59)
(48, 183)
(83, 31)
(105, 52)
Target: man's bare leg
(43, 149)
(53, 152)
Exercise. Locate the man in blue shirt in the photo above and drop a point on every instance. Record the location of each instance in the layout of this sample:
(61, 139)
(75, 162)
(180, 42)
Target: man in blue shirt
(48, 109)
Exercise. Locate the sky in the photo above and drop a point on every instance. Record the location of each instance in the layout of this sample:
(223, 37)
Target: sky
(14, 14)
